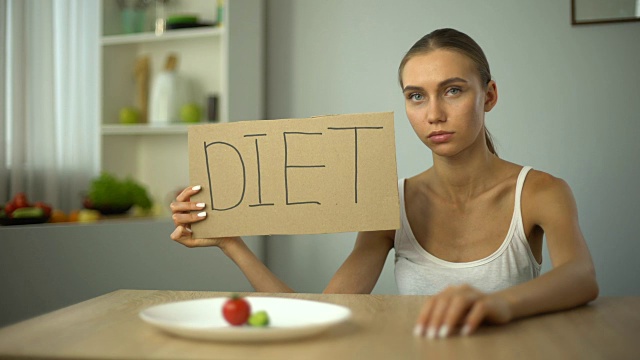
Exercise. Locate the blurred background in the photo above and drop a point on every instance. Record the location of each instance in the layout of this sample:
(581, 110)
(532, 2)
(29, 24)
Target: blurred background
(568, 105)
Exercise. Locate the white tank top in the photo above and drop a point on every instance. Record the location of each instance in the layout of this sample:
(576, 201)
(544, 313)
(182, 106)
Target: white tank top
(420, 273)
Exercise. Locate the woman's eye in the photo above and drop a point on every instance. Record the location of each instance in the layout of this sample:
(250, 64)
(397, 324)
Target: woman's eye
(454, 91)
(416, 97)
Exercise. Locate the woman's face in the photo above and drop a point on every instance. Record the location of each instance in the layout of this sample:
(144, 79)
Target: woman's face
(445, 101)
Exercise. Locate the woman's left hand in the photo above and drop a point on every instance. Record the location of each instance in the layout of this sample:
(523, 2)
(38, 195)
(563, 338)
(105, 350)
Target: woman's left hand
(460, 307)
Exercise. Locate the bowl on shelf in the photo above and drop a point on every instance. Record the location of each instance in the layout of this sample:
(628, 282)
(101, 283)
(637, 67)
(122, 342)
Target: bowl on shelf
(6, 221)
(107, 209)
(185, 21)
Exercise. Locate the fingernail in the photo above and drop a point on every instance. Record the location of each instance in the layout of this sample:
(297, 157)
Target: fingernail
(444, 331)
(418, 330)
(188, 229)
(202, 214)
(200, 205)
(196, 188)
(465, 330)
(431, 333)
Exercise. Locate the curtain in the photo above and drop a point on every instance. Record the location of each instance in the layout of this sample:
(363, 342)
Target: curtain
(50, 147)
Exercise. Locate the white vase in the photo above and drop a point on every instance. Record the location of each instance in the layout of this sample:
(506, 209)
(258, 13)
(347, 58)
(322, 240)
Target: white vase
(169, 92)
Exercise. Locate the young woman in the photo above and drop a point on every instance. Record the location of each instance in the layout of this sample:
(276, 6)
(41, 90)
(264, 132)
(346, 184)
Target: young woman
(472, 225)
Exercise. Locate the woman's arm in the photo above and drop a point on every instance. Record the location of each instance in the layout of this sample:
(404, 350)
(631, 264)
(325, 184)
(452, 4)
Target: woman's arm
(572, 281)
(548, 203)
(186, 213)
(260, 277)
(358, 274)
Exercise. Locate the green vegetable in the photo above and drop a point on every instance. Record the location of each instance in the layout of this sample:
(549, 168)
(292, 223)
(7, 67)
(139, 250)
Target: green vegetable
(182, 19)
(259, 319)
(27, 212)
(107, 190)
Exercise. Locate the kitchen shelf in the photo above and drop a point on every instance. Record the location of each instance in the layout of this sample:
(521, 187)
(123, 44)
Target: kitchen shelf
(208, 31)
(225, 61)
(145, 129)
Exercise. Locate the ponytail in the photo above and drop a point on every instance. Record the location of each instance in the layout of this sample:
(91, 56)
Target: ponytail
(489, 139)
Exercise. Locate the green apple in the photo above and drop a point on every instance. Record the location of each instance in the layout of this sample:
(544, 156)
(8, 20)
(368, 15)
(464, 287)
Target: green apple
(129, 115)
(86, 215)
(190, 113)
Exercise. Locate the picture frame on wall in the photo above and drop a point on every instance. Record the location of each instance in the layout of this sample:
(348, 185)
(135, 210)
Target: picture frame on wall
(584, 12)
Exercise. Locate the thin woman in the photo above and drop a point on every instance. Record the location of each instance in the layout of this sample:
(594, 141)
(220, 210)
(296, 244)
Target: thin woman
(472, 225)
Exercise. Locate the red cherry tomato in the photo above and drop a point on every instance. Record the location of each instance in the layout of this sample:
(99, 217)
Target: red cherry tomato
(236, 311)
(8, 208)
(45, 208)
(20, 200)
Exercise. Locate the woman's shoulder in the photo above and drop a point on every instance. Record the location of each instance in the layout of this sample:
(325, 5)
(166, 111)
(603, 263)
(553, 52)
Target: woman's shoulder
(537, 182)
(545, 195)
(542, 183)
(420, 178)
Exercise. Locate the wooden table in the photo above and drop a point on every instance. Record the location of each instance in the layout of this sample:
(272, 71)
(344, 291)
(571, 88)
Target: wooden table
(381, 328)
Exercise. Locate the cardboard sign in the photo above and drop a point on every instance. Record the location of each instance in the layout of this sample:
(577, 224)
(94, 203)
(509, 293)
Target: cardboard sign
(295, 176)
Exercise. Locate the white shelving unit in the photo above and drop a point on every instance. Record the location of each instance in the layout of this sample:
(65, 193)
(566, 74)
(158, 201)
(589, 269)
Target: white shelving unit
(144, 129)
(226, 61)
(147, 37)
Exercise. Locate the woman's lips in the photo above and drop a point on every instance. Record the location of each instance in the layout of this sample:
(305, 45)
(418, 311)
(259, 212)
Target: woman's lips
(440, 136)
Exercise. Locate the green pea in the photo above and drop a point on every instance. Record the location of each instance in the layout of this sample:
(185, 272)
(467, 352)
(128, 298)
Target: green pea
(259, 319)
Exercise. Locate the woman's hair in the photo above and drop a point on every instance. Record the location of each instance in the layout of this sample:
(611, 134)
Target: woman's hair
(453, 40)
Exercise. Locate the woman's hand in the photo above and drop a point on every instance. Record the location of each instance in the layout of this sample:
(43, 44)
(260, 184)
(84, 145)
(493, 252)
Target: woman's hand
(184, 215)
(460, 307)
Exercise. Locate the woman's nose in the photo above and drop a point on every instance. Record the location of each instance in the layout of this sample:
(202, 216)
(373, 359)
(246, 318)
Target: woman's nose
(435, 112)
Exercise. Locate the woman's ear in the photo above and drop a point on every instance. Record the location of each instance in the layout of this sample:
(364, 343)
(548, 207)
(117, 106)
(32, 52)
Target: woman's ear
(490, 96)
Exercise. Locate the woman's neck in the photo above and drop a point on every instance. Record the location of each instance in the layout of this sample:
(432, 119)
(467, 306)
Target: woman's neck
(465, 176)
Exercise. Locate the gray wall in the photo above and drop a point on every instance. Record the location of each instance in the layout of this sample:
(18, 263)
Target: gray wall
(568, 104)
(43, 268)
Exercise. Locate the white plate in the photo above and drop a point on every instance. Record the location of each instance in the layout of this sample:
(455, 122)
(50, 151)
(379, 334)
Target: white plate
(289, 319)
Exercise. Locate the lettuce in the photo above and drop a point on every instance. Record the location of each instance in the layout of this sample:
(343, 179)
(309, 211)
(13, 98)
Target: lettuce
(108, 191)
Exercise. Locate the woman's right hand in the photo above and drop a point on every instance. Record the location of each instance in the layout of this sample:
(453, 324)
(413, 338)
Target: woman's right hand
(184, 215)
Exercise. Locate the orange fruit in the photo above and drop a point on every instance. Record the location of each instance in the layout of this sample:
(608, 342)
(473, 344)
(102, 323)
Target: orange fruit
(73, 216)
(58, 216)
